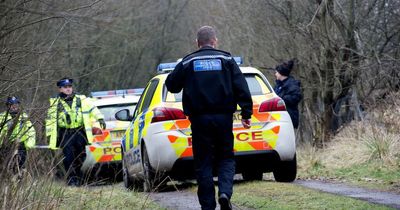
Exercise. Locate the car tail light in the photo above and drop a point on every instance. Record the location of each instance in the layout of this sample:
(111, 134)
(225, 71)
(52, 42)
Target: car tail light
(274, 104)
(97, 131)
(163, 114)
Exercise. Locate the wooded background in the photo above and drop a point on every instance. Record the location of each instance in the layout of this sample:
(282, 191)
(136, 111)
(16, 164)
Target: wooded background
(347, 50)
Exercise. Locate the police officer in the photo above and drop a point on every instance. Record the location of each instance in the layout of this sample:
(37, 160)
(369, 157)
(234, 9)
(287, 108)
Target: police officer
(16, 127)
(69, 126)
(288, 89)
(212, 86)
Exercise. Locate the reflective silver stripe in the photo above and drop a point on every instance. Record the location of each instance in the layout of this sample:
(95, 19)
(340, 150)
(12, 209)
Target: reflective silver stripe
(207, 56)
(87, 112)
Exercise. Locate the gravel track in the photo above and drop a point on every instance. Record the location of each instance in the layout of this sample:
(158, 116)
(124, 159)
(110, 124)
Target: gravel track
(180, 198)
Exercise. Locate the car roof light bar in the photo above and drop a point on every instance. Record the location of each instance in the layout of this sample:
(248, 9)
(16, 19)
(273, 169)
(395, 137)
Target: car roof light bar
(238, 60)
(112, 93)
(166, 67)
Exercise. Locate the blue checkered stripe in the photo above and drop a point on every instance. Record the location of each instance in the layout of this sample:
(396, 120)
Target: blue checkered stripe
(207, 65)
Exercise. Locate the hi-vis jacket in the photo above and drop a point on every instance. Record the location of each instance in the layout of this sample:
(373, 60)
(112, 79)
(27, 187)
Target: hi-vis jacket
(82, 113)
(22, 129)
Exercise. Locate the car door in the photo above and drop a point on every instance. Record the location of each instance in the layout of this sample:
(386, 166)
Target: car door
(139, 125)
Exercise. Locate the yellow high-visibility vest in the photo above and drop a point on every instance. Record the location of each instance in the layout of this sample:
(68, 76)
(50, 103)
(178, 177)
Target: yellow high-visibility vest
(22, 129)
(81, 113)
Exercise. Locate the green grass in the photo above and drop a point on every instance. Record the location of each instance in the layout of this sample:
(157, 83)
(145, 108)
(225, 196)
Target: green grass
(273, 195)
(372, 174)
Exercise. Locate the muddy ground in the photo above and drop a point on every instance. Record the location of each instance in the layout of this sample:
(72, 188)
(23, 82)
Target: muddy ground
(180, 198)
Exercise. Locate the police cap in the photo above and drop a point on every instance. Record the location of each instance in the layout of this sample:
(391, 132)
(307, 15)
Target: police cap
(12, 100)
(64, 82)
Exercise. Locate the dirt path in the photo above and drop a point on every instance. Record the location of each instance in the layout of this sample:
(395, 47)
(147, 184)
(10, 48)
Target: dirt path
(372, 196)
(181, 198)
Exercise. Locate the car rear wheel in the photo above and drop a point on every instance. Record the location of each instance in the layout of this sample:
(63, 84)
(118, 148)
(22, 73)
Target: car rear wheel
(252, 175)
(286, 171)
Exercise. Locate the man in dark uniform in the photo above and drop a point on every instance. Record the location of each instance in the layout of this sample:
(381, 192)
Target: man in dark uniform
(212, 86)
(288, 89)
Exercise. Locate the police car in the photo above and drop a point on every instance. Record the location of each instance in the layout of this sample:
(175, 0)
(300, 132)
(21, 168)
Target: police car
(158, 142)
(106, 145)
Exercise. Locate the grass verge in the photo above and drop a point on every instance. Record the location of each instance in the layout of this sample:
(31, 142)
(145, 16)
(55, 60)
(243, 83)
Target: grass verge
(273, 195)
(365, 153)
(50, 194)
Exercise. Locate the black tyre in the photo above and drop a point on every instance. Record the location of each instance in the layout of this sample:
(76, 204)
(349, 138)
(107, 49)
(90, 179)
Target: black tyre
(286, 171)
(148, 172)
(128, 183)
(153, 180)
(252, 175)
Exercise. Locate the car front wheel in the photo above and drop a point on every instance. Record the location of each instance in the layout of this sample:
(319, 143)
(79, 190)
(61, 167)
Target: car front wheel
(147, 171)
(286, 171)
(128, 184)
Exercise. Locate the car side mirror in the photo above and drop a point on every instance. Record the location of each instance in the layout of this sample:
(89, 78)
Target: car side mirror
(123, 115)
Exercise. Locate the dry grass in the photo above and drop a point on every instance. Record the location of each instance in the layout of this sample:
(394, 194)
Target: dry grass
(309, 157)
(38, 188)
(373, 142)
(346, 149)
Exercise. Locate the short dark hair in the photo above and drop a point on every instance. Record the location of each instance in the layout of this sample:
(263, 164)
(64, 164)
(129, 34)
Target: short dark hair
(205, 34)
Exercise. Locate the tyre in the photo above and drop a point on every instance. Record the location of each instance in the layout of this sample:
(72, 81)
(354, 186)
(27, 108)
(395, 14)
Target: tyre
(148, 172)
(286, 171)
(153, 180)
(128, 183)
(252, 175)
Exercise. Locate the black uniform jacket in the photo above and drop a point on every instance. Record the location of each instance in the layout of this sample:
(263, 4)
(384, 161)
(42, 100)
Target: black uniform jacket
(289, 91)
(212, 83)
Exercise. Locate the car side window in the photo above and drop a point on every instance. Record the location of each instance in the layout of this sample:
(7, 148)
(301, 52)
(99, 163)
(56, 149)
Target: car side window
(139, 104)
(149, 95)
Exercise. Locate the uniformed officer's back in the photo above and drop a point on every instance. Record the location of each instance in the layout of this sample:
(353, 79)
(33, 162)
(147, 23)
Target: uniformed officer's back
(210, 78)
(213, 86)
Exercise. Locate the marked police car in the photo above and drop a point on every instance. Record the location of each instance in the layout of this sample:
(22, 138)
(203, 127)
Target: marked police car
(106, 146)
(158, 142)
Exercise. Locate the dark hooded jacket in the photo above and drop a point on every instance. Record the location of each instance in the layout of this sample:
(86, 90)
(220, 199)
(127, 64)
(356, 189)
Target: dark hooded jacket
(289, 91)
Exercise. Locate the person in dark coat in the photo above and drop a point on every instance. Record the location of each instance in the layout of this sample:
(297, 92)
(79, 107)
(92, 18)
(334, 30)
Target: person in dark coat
(213, 86)
(288, 88)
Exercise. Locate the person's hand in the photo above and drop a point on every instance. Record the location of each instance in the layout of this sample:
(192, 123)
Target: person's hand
(102, 124)
(246, 123)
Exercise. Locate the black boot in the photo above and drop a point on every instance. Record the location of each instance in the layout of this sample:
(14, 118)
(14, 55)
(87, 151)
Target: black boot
(224, 202)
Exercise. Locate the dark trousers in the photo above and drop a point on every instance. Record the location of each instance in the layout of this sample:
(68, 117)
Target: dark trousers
(73, 142)
(18, 161)
(21, 155)
(213, 148)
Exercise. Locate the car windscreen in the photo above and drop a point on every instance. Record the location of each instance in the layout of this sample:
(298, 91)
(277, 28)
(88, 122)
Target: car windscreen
(256, 84)
(109, 110)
